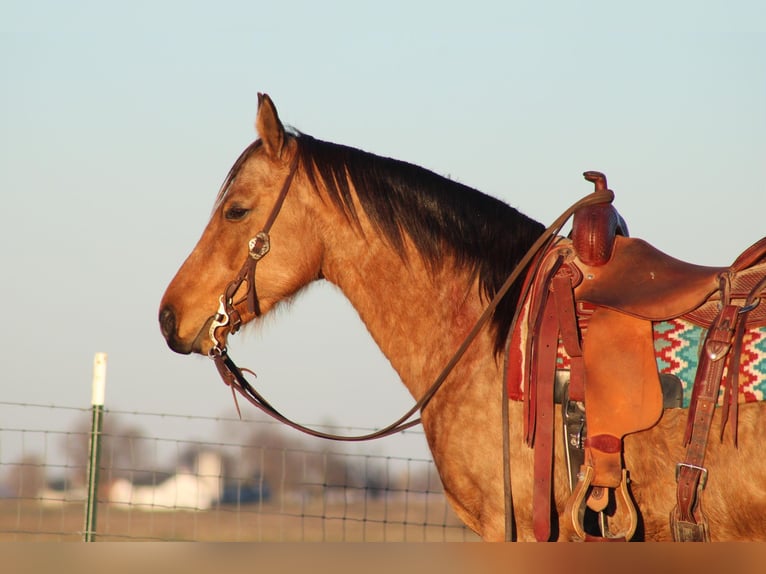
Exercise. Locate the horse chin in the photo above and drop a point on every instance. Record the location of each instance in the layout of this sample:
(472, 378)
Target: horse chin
(178, 346)
(202, 343)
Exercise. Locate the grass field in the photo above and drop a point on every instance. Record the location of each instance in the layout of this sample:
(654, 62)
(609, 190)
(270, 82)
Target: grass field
(411, 519)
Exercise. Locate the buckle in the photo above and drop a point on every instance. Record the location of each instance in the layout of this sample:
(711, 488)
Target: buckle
(702, 469)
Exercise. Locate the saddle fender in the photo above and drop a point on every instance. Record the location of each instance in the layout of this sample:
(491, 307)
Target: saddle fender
(623, 394)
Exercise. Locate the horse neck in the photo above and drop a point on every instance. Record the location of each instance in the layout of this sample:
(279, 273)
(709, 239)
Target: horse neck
(417, 316)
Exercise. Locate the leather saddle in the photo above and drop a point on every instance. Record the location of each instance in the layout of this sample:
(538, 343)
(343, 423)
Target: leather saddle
(597, 294)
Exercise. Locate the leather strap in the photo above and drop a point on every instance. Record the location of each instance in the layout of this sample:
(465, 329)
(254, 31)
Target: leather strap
(730, 408)
(563, 285)
(710, 369)
(688, 521)
(544, 373)
(555, 319)
(724, 340)
(259, 245)
(541, 336)
(605, 443)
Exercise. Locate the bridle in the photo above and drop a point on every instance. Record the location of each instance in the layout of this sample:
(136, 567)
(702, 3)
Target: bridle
(228, 317)
(258, 247)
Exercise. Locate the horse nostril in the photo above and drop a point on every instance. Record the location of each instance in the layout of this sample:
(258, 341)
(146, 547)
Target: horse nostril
(167, 322)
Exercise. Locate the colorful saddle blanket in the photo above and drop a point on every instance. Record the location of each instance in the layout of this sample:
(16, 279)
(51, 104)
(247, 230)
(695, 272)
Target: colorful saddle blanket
(677, 347)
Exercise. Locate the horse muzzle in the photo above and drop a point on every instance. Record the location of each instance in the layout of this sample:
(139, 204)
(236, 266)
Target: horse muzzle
(169, 328)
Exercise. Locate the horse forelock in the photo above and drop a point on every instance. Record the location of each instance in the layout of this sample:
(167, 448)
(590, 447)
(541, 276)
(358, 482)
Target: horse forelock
(234, 171)
(444, 219)
(238, 164)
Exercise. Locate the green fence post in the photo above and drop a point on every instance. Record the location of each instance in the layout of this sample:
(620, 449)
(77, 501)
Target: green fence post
(94, 451)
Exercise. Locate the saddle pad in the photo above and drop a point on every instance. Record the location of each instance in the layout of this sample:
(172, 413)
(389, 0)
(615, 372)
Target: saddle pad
(677, 345)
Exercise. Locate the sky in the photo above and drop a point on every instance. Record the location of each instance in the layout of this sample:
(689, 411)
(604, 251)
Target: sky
(119, 121)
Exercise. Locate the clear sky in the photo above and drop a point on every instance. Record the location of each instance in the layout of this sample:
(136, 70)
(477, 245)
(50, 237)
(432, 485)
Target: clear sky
(119, 120)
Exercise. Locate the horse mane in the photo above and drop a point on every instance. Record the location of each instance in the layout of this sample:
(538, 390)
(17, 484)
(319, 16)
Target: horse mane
(481, 234)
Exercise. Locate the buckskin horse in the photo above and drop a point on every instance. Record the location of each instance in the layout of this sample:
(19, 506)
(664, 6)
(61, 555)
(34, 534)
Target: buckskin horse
(429, 263)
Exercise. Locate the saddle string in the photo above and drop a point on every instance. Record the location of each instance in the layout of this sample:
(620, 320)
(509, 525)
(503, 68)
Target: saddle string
(730, 407)
(232, 375)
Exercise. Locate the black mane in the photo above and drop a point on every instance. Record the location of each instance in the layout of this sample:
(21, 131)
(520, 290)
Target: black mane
(442, 217)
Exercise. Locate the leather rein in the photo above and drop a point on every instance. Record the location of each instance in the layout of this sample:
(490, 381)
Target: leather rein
(228, 317)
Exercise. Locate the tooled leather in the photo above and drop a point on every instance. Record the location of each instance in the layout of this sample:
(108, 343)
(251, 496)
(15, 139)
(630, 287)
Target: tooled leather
(593, 231)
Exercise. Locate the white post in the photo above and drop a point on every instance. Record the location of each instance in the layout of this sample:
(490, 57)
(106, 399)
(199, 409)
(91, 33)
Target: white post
(97, 403)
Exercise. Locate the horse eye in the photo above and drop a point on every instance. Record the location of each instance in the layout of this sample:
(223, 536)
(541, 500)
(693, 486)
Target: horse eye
(235, 213)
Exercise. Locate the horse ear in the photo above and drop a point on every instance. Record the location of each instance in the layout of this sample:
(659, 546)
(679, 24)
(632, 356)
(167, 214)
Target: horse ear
(269, 127)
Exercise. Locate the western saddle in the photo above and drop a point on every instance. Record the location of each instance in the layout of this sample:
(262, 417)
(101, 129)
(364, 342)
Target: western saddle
(597, 294)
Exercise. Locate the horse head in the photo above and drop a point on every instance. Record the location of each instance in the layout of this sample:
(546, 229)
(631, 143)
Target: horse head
(218, 288)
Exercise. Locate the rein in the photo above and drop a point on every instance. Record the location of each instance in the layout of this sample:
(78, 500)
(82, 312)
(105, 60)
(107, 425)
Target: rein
(258, 247)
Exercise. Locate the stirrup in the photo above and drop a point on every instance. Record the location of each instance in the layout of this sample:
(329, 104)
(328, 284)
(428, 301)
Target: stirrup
(575, 508)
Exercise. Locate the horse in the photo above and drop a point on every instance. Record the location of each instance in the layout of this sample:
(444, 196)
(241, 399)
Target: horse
(419, 256)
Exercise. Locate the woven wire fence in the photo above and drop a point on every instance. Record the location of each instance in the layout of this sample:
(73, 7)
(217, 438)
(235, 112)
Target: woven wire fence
(191, 478)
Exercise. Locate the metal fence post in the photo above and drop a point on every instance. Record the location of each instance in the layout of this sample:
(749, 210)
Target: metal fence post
(94, 451)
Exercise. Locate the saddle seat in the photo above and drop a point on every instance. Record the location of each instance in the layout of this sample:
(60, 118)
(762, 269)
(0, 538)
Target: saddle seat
(644, 282)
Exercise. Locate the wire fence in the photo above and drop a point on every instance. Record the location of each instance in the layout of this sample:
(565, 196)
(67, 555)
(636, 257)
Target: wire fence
(244, 480)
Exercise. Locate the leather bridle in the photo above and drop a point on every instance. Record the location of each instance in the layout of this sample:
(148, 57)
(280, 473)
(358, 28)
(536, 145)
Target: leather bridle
(227, 316)
(258, 247)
